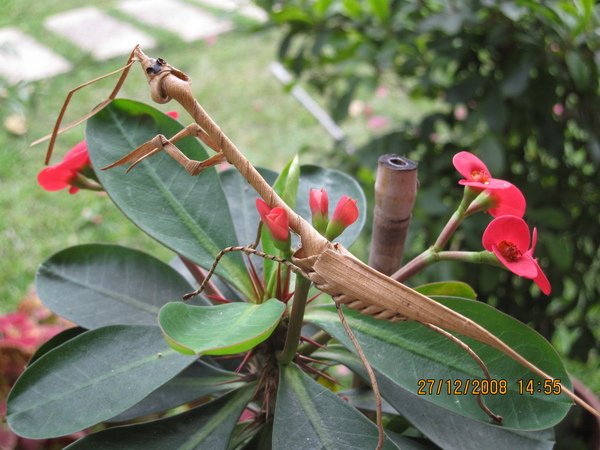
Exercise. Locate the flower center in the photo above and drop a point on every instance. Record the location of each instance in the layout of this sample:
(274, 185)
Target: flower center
(480, 175)
(509, 251)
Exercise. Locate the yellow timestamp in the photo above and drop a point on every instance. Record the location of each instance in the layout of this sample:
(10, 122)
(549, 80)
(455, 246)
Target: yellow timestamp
(432, 386)
(438, 386)
(546, 387)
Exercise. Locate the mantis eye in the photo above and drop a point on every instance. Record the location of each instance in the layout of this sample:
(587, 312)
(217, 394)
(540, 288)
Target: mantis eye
(156, 67)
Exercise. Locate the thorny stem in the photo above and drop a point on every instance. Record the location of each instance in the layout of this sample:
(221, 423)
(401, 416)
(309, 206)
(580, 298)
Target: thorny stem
(296, 318)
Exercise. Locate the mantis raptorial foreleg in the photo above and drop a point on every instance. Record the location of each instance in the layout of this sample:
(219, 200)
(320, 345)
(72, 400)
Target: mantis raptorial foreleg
(160, 142)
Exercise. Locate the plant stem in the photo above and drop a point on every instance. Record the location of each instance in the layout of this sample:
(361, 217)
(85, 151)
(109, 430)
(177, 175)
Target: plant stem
(455, 220)
(430, 256)
(296, 318)
(320, 337)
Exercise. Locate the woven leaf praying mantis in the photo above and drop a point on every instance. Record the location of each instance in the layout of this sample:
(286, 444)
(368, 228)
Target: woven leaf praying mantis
(328, 265)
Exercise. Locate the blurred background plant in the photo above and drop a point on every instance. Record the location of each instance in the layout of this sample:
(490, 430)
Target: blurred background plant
(516, 82)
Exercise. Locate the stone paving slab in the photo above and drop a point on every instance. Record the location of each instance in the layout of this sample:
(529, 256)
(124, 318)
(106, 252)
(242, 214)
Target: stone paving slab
(243, 7)
(98, 33)
(24, 59)
(182, 19)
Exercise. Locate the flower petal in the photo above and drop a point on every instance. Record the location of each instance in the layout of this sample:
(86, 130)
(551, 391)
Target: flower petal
(55, 178)
(541, 280)
(511, 229)
(490, 184)
(509, 201)
(466, 163)
(77, 158)
(525, 266)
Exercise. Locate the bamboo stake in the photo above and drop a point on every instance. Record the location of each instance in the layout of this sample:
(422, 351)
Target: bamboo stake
(395, 192)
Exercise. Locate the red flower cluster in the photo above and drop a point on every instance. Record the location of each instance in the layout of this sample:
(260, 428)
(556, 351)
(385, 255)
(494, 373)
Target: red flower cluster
(507, 236)
(64, 174)
(344, 215)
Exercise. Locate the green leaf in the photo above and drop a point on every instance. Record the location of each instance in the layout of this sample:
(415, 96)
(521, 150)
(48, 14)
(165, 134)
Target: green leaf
(59, 339)
(286, 184)
(448, 288)
(219, 330)
(381, 8)
(91, 378)
(578, 69)
(408, 352)
(180, 211)
(95, 285)
(308, 415)
(445, 428)
(196, 381)
(206, 427)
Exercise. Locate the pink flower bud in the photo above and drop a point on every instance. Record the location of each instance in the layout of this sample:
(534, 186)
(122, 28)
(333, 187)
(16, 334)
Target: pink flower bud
(277, 221)
(344, 215)
(319, 207)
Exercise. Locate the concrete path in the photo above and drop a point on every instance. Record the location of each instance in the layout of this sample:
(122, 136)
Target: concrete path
(25, 59)
(105, 36)
(186, 21)
(98, 33)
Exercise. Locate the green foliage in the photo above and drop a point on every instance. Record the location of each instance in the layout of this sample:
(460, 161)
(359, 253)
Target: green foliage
(123, 370)
(517, 82)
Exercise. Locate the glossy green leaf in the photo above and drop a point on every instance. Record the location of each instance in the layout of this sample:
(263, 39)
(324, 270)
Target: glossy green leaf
(448, 288)
(187, 214)
(91, 378)
(206, 427)
(196, 381)
(448, 429)
(96, 285)
(408, 352)
(55, 341)
(308, 415)
(219, 330)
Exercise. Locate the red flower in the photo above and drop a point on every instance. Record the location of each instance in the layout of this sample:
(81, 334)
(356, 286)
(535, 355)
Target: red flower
(509, 201)
(63, 174)
(344, 215)
(173, 114)
(476, 173)
(508, 238)
(319, 207)
(277, 221)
